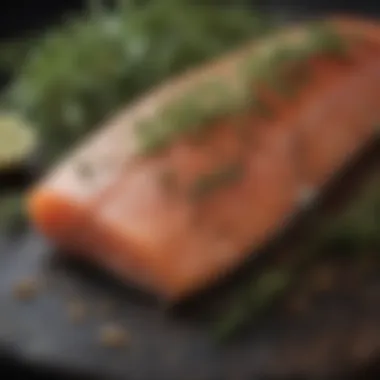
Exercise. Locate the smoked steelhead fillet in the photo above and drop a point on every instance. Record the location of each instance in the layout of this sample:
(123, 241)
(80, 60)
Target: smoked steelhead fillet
(189, 181)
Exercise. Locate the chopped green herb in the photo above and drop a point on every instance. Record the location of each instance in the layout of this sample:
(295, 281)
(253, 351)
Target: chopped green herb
(78, 73)
(168, 180)
(281, 85)
(26, 289)
(281, 59)
(272, 69)
(151, 140)
(262, 108)
(114, 336)
(301, 75)
(208, 183)
(17, 140)
(260, 295)
(190, 114)
(323, 38)
(85, 170)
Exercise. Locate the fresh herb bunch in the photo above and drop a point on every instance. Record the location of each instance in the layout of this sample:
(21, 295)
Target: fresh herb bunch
(74, 76)
(355, 231)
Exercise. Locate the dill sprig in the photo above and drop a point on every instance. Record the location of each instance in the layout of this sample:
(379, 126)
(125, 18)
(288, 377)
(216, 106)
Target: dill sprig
(194, 111)
(355, 231)
(222, 176)
(74, 75)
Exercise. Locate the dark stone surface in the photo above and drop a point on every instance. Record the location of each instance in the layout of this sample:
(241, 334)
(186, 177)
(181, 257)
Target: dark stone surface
(333, 334)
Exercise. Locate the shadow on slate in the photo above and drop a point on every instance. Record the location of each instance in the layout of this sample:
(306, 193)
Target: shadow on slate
(337, 336)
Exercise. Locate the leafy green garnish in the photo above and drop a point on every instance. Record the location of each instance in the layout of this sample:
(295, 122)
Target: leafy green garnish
(221, 176)
(75, 75)
(271, 68)
(194, 111)
(258, 297)
(190, 115)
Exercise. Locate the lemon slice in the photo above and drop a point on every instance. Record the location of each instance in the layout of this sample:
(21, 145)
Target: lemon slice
(17, 140)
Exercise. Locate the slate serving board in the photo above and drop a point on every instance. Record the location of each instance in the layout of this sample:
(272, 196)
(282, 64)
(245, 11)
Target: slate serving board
(335, 332)
(314, 333)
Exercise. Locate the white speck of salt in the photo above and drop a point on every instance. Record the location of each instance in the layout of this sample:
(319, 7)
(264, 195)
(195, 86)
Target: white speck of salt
(306, 196)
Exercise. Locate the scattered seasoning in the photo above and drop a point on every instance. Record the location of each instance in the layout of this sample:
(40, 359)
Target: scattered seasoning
(12, 212)
(299, 304)
(367, 266)
(77, 311)
(274, 70)
(85, 170)
(323, 38)
(245, 135)
(223, 176)
(193, 112)
(223, 230)
(322, 279)
(277, 72)
(152, 143)
(107, 307)
(283, 55)
(262, 108)
(286, 88)
(169, 181)
(365, 343)
(307, 196)
(189, 115)
(292, 79)
(26, 289)
(113, 336)
(301, 74)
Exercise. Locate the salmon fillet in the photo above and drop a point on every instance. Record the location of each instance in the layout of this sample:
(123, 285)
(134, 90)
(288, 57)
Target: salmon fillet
(182, 186)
